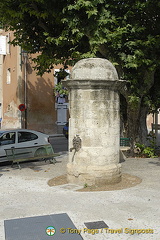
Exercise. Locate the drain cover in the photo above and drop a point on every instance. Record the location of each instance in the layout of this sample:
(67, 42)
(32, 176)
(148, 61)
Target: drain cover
(96, 225)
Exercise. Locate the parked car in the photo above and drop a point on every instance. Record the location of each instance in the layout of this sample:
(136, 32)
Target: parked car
(65, 130)
(25, 143)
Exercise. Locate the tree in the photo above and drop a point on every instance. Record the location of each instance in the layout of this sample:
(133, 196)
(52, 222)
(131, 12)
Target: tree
(125, 32)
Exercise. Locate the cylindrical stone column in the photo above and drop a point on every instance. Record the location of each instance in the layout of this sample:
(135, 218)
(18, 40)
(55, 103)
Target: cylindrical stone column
(94, 117)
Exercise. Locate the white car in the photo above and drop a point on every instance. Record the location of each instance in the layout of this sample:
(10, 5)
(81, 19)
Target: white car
(24, 144)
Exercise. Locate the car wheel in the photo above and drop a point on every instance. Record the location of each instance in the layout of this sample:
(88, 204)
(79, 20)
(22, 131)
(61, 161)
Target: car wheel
(40, 153)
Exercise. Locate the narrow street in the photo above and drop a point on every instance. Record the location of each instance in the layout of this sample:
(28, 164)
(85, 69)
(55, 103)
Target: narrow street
(59, 144)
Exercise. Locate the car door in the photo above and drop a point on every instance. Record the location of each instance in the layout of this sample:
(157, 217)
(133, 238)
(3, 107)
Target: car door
(26, 143)
(7, 141)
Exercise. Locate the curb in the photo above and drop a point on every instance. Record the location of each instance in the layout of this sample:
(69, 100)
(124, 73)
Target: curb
(55, 135)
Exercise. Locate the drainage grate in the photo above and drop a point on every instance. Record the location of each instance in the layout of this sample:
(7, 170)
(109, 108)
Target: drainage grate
(96, 225)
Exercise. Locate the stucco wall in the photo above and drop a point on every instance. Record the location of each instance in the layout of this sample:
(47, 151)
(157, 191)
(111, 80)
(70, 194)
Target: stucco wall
(10, 99)
(41, 114)
(25, 87)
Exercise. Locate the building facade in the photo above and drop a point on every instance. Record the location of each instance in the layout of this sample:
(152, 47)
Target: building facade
(26, 100)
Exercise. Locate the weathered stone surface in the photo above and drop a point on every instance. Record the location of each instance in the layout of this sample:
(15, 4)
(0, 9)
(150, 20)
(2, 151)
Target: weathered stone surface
(94, 112)
(94, 69)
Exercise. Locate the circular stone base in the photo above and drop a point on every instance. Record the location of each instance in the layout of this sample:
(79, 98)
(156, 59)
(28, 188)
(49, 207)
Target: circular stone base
(127, 181)
(93, 175)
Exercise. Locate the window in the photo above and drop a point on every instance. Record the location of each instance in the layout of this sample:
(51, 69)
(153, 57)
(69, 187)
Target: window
(8, 76)
(26, 136)
(8, 138)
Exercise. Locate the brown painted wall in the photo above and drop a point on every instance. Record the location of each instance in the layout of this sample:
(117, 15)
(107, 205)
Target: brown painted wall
(41, 114)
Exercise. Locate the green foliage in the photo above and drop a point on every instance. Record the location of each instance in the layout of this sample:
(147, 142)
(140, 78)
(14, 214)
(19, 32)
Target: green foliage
(139, 147)
(59, 89)
(147, 151)
(61, 74)
(125, 32)
(133, 100)
(151, 137)
(153, 97)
